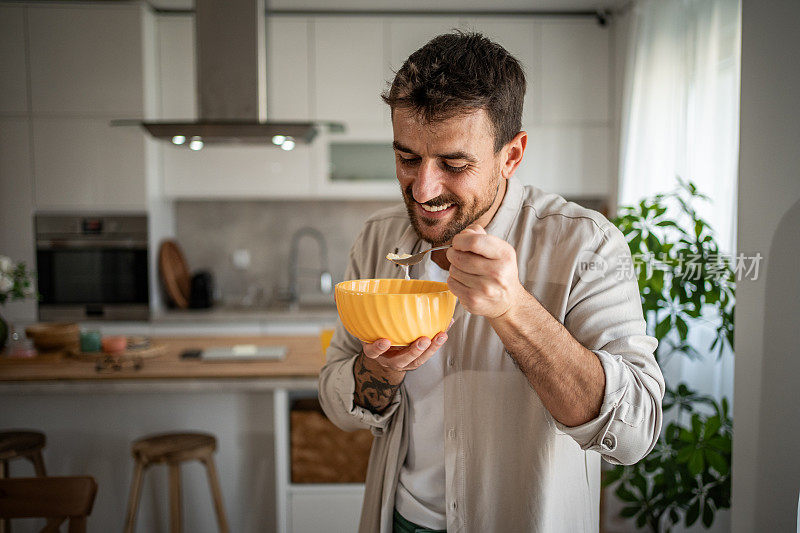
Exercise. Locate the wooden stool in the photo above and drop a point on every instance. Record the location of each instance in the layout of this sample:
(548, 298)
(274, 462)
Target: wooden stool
(173, 449)
(55, 498)
(20, 444)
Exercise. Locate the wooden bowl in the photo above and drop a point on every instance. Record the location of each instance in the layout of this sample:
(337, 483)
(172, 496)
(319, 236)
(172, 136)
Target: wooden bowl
(54, 335)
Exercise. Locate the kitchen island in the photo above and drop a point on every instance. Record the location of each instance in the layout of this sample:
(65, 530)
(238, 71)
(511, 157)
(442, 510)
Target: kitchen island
(90, 419)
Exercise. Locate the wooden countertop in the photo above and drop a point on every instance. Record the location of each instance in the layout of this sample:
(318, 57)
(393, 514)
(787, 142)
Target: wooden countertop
(304, 360)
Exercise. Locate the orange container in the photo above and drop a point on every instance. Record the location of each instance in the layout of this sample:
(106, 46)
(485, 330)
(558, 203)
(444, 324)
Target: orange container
(396, 309)
(114, 344)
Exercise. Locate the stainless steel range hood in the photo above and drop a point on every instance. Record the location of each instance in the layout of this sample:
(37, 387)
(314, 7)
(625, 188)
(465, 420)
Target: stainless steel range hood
(231, 81)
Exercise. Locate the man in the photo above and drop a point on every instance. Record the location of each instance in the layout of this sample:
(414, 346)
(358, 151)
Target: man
(499, 423)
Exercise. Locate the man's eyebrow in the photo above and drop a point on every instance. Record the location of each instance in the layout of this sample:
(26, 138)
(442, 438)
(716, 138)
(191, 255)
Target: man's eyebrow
(459, 155)
(400, 148)
(452, 155)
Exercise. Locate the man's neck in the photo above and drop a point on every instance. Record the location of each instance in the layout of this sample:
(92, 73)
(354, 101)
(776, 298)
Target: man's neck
(439, 256)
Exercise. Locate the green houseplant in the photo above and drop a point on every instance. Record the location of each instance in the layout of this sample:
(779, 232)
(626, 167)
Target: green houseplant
(682, 279)
(15, 284)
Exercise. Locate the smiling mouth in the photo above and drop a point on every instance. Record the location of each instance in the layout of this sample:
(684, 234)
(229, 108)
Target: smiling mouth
(435, 209)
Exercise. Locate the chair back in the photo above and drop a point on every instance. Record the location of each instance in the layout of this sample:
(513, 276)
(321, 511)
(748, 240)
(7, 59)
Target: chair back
(54, 498)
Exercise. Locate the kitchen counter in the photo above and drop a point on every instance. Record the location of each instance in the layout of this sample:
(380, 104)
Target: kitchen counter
(317, 313)
(57, 371)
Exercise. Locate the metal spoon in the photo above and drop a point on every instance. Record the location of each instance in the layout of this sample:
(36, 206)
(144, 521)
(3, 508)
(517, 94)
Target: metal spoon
(416, 258)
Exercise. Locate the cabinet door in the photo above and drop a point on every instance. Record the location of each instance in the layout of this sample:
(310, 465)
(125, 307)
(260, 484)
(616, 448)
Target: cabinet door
(333, 509)
(13, 74)
(16, 206)
(176, 67)
(568, 160)
(85, 163)
(237, 172)
(519, 36)
(575, 71)
(86, 59)
(409, 34)
(350, 70)
(288, 68)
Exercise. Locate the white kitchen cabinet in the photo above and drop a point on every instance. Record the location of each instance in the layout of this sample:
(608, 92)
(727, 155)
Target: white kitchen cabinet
(177, 74)
(568, 160)
(16, 206)
(332, 509)
(13, 73)
(85, 163)
(351, 68)
(86, 59)
(306, 507)
(520, 36)
(575, 72)
(409, 34)
(288, 78)
(238, 171)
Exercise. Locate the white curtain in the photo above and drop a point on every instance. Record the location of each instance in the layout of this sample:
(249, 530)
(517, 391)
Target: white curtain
(680, 113)
(680, 117)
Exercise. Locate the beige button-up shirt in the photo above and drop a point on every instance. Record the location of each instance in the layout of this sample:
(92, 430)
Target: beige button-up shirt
(509, 465)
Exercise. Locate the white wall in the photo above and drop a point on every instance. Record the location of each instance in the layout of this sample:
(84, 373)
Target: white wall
(766, 465)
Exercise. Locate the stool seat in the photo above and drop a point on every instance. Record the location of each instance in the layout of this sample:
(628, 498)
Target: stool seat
(173, 447)
(18, 443)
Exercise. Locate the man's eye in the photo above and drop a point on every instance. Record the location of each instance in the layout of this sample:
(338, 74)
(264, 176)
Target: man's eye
(409, 161)
(455, 170)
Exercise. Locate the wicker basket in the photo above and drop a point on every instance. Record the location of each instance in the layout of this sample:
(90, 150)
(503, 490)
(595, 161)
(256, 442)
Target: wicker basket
(323, 453)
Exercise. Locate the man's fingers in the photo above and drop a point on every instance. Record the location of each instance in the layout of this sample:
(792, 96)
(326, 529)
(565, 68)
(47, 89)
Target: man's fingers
(404, 356)
(473, 281)
(375, 349)
(470, 262)
(488, 246)
(438, 342)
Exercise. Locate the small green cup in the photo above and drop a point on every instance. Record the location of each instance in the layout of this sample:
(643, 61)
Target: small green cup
(91, 341)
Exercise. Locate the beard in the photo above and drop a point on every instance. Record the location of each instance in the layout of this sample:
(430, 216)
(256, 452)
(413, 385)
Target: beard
(439, 232)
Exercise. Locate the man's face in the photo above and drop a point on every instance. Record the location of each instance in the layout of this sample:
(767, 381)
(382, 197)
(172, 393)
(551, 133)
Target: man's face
(448, 171)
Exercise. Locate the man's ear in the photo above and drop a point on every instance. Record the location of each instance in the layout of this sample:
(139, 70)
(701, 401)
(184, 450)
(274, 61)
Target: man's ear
(512, 154)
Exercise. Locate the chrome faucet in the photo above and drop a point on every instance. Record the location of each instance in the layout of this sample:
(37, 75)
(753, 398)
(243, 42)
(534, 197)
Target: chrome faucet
(325, 278)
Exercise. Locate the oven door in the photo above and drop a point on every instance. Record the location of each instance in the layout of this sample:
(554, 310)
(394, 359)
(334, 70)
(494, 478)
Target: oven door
(79, 280)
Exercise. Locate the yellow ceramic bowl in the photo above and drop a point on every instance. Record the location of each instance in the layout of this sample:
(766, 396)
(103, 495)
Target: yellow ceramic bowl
(400, 310)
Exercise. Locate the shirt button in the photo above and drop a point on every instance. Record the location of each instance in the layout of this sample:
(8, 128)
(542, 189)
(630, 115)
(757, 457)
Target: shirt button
(451, 361)
(451, 433)
(453, 505)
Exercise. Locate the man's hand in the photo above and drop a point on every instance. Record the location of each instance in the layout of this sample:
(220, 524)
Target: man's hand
(483, 273)
(403, 358)
(380, 368)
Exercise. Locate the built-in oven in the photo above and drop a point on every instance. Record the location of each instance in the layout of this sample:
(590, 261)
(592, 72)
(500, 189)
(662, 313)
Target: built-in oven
(92, 266)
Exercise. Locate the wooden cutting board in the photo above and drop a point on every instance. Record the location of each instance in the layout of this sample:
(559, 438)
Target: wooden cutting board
(174, 273)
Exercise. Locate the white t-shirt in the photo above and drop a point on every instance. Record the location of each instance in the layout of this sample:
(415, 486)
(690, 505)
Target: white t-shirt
(421, 486)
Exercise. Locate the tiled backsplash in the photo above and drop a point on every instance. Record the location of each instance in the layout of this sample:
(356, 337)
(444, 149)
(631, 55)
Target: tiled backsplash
(210, 231)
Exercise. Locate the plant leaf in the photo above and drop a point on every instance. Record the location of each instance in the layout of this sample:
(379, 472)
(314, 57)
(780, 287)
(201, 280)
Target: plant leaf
(696, 463)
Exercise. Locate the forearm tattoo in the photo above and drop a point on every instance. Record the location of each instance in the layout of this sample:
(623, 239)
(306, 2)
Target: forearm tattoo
(372, 392)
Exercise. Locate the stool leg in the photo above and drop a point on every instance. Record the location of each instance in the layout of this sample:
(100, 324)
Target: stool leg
(38, 463)
(216, 494)
(133, 500)
(175, 498)
(5, 524)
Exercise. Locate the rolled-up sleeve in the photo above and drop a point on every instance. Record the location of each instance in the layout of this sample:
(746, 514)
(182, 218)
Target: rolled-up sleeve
(336, 379)
(605, 315)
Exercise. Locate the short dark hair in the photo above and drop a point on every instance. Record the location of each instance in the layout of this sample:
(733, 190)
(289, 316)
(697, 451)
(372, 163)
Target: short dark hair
(460, 72)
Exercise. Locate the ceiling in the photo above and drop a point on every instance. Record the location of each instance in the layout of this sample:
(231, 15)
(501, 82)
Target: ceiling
(422, 5)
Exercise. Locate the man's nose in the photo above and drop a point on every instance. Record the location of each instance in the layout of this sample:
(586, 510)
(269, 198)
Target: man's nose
(427, 183)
